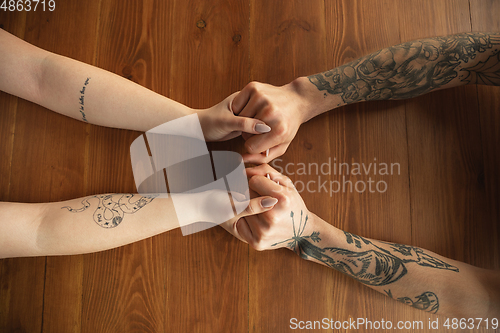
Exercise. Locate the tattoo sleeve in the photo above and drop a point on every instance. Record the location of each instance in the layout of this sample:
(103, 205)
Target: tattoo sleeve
(427, 301)
(415, 68)
(362, 259)
(110, 209)
(370, 262)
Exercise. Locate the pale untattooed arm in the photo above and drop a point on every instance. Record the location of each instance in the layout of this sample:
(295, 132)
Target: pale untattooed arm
(402, 71)
(101, 222)
(93, 95)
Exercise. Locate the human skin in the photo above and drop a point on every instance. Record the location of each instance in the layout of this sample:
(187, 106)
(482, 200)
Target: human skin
(398, 72)
(99, 97)
(414, 276)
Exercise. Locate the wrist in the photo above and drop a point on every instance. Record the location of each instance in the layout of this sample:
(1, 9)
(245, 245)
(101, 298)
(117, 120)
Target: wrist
(315, 102)
(318, 234)
(204, 118)
(301, 88)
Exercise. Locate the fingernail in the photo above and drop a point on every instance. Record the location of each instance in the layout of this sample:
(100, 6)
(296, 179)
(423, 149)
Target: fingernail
(267, 153)
(269, 202)
(262, 128)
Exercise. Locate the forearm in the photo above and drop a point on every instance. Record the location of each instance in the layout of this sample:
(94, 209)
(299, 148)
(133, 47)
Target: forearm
(79, 90)
(91, 224)
(411, 275)
(91, 94)
(406, 70)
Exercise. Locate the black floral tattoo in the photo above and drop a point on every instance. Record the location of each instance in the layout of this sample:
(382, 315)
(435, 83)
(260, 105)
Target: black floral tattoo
(414, 68)
(372, 265)
(82, 100)
(427, 301)
(111, 208)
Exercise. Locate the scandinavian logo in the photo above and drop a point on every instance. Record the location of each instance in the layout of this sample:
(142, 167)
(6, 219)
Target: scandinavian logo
(199, 182)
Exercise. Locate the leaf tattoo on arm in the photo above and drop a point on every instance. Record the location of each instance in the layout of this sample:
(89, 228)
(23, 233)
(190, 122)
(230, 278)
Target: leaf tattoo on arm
(427, 301)
(372, 265)
(111, 208)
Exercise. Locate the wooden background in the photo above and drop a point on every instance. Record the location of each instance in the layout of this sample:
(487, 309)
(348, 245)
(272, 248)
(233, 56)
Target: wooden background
(446, 198)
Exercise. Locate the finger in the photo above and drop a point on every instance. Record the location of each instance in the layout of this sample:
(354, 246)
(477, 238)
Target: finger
(260, 143)
(243, 231)
(246, 136)
(231, 135)
(264, 170)
(259, 205)
(274, 152)
(247, 125)
(242, 98)
(265, 187)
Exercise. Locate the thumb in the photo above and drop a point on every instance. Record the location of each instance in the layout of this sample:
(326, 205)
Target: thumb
(248, 125)
(259, 205)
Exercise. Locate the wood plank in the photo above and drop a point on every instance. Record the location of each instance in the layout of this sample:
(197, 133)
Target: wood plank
(14, 23)
(13, 312)
(484, 17)
(8, 108)
(123, 289)
(63, 148)
(368, 133)
(445, 153)
(288, 41)
(45, 167)
(207, 283)
(444, 138)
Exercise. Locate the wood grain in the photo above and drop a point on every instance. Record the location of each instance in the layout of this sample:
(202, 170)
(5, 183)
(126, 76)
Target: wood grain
(123, 288)
(207, 283)
(446, 197)
(369, 134)
(14, 24)
(484, 17)
(444, 140)
(281, 286)
(41, 172)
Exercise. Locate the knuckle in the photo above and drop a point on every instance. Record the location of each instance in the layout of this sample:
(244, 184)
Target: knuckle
(281, 130)
(270, 111)
(285, 200)
(253, 85)
(243, 122)
(273, 220)
(253, 181)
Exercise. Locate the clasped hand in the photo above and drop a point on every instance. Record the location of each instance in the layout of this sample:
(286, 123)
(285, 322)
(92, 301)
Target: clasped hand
(268, 118)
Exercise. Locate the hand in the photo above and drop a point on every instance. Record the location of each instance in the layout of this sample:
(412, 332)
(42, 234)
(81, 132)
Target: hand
(283, 108)
(219, 123)
(276, 227)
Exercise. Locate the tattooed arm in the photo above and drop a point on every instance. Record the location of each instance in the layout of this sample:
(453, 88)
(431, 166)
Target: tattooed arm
(397, 72)
(93, 95)
(411, 275)
(99, 222)
(414, 276)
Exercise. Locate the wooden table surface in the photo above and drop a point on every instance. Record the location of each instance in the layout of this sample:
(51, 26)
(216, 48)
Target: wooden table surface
(445, 197)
